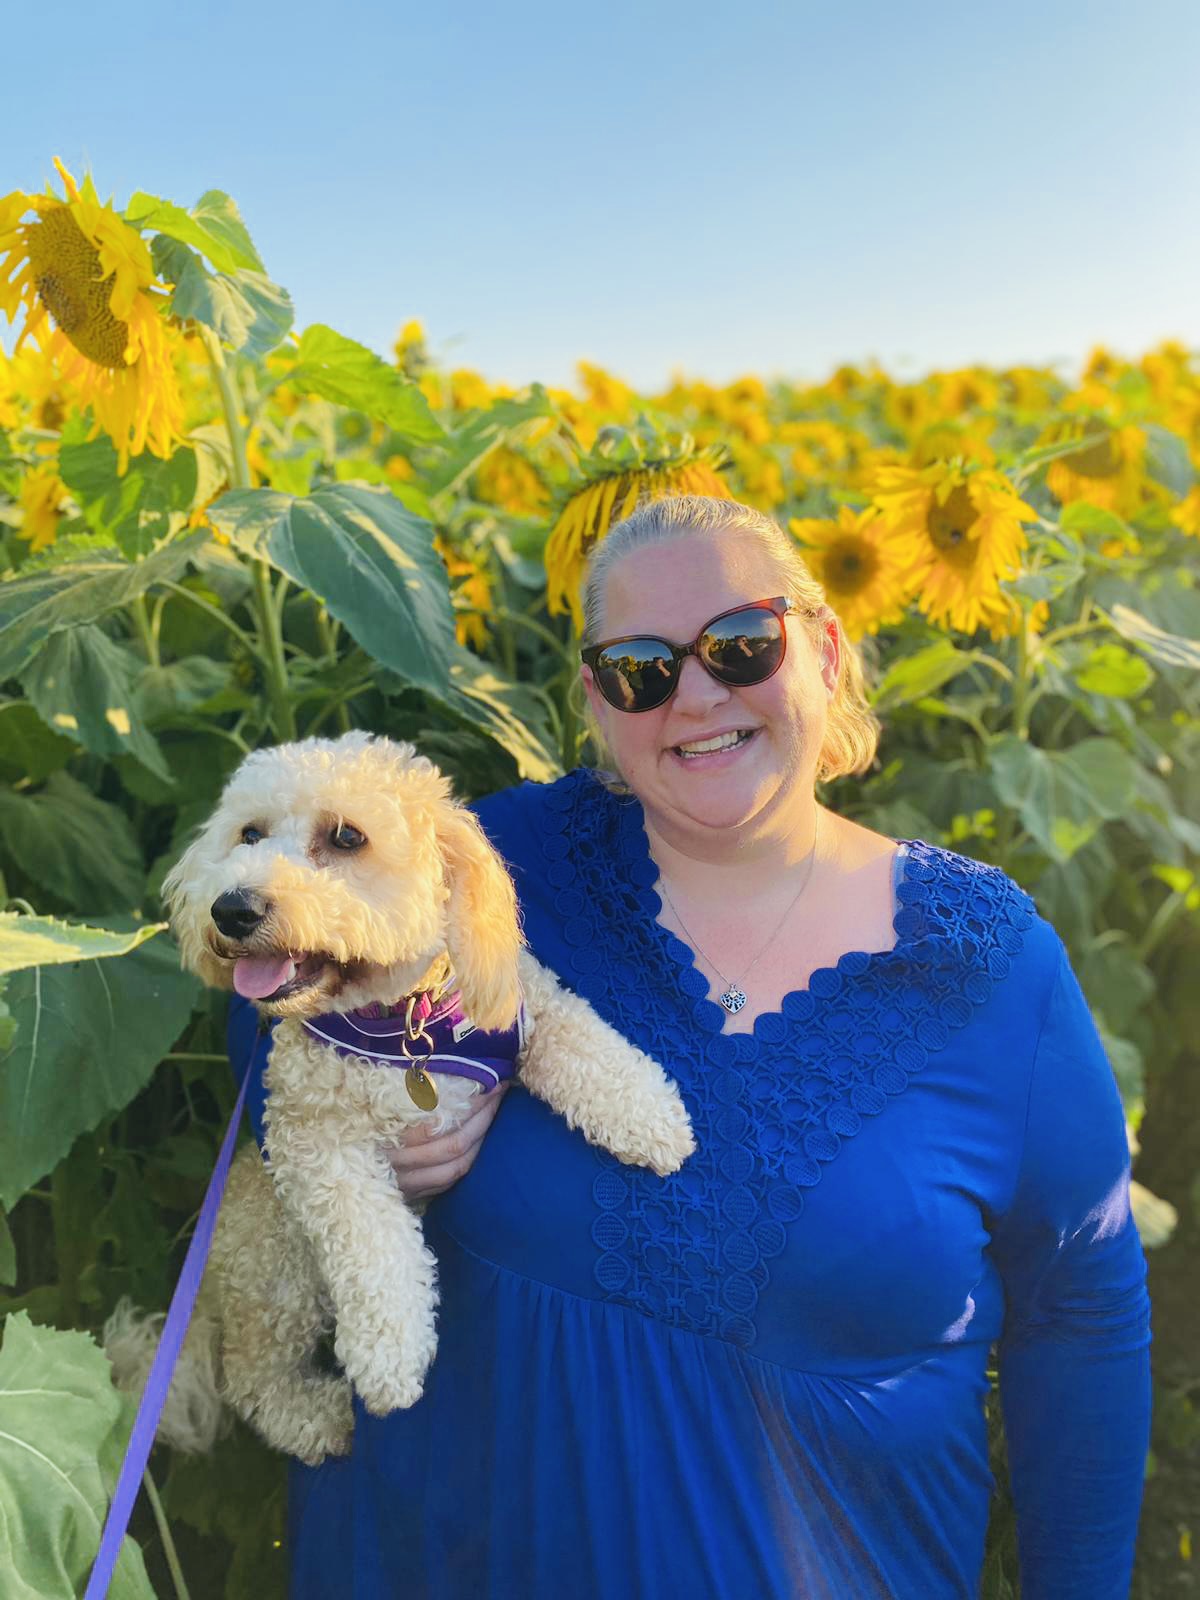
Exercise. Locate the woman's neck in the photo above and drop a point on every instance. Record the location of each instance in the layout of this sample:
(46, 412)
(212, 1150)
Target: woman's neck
(704, 865)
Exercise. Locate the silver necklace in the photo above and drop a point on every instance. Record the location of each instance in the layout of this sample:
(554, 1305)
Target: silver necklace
(733, 996)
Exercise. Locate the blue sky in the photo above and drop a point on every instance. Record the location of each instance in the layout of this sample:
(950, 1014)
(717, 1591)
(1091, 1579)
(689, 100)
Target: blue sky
(713, 189)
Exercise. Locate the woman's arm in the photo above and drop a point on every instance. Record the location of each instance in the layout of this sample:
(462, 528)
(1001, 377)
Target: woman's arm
(1074, 1364)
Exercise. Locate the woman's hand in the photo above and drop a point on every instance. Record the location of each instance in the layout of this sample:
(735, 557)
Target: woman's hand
(426, 1165)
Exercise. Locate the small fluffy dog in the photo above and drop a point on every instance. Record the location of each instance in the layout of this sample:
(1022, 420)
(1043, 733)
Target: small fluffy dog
(341, 887)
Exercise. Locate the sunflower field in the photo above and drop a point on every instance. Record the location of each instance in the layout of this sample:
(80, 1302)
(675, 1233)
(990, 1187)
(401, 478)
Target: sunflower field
(217, 531)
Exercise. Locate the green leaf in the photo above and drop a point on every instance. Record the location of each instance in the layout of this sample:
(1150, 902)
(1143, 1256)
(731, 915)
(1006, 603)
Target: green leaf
(368, 558)
(164, 693)
(921, 673)
(1115, 981)
(83, 684)
(506, 711)
(213, 226)
(1172, 648)
(46, 942)
(1111, 670)
(80, 849)
(61, 1420)
(339, 369)
(1094, 521)
(244, 309)
(138, 508)
(1167, 459)
(1063, 798)
(29, 750)
(89, 1036)
(482, 431)
(35, 607)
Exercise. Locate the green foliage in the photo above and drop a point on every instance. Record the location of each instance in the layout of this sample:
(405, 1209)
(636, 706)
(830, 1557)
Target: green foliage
(43, 602)
(337, 368)
(213, 226)
(244, 309)
(63, 1428)
(83, 683)
(46, 942)
(89, 1036)
(371, 561)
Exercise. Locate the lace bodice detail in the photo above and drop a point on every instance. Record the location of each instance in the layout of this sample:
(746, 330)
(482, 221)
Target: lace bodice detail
(772, 1108)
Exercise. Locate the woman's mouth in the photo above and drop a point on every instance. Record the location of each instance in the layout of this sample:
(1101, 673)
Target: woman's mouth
(718, 749)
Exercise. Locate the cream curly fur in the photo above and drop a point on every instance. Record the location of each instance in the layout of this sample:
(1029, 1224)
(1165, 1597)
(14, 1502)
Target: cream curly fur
(320, 1239)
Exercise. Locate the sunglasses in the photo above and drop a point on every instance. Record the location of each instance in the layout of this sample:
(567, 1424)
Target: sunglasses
(737, 648)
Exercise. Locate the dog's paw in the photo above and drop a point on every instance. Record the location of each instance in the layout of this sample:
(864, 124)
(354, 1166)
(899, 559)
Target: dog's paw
(396, 1394)
(664, 1141)
(309, 1418)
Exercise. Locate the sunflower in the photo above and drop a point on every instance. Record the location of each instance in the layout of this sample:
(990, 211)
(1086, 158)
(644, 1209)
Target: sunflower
(42, 496)
(474, 587)
(507, 479)
(1186, 514)
(75, 262)
(1106, 471)
(859, 569)
(610, 496)
(958, 532)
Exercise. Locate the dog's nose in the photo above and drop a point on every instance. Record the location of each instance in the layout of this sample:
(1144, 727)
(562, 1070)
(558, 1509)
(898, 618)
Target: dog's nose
(238, 912)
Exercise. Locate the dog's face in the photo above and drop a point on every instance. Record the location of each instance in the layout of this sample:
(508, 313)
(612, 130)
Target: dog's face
(333, 873)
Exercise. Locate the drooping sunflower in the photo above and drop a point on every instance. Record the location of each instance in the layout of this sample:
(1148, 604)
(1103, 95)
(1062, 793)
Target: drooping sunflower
(42, 495)
(76, 264)
(1107, 470)
(619, 475)
(858, 567)
(958, 531)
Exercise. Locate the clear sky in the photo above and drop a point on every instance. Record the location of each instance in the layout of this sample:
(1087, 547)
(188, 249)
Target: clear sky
(744, 187)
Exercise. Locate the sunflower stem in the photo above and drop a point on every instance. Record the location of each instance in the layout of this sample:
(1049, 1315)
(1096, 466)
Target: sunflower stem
(141, 617)
(1020, 687)
(164, 1533)
(269, 629)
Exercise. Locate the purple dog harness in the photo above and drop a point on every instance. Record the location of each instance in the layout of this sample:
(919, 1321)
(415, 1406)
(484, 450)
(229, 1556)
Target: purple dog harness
(426, 1035)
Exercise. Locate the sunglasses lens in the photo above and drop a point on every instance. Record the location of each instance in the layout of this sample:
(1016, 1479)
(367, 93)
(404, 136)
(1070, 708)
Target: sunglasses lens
(636, 675)
(743, 648)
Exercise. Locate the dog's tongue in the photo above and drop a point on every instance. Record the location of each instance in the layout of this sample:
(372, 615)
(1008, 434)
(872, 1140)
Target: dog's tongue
(255, 977)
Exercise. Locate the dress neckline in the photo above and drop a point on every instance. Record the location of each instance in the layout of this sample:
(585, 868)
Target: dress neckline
(796, 1004)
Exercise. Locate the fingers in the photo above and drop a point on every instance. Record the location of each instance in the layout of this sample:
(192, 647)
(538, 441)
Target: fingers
(427, 1165)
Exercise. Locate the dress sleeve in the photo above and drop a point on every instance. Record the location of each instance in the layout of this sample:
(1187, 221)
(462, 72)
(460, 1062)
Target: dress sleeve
(248, 1047)
(1074, 1363)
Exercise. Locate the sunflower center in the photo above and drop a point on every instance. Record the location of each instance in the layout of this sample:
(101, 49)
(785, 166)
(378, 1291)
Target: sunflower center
(850, 565)
(67, 275)
(950, 524)
(1097, 460)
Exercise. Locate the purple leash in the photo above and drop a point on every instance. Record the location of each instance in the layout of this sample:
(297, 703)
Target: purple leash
(155, 1393)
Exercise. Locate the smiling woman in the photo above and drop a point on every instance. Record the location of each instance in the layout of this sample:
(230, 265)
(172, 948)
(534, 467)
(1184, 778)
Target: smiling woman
(764, 1374)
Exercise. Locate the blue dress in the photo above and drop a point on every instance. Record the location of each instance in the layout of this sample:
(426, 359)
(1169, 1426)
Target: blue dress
(765, 1376)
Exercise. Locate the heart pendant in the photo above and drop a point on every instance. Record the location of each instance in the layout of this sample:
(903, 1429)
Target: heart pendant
(733, 999)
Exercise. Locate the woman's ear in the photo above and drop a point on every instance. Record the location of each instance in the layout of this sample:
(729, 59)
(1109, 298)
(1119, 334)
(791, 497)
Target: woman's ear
(483, 935)
(831, 651)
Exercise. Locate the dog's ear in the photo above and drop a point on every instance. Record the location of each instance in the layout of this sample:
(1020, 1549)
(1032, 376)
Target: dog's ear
(483, 936)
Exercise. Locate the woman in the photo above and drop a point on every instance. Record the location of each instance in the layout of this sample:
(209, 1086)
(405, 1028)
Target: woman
(765, 1376)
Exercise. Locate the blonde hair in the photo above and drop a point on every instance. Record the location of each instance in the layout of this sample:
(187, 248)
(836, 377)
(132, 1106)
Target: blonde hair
(852, 729)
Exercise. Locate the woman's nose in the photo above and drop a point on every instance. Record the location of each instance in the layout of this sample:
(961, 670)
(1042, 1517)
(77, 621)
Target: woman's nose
(698, 690)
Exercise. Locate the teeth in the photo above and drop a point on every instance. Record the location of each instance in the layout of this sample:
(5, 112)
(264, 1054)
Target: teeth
(723, 741)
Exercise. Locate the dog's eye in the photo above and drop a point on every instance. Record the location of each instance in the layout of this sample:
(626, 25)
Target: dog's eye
(347, 837)
(251, 834)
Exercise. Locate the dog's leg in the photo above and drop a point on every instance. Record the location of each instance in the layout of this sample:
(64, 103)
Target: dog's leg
(272, 1316)
(603, 1085)
(371, 1253)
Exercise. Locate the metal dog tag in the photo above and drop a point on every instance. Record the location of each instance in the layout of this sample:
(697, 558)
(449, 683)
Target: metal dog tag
(421, 1088)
